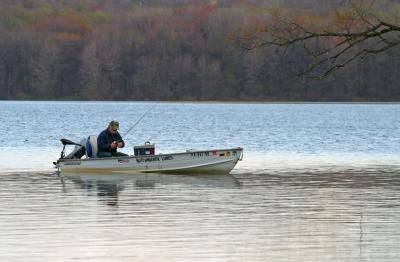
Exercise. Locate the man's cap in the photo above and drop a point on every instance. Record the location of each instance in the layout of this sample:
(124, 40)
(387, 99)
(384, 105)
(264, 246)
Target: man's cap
(114, 124)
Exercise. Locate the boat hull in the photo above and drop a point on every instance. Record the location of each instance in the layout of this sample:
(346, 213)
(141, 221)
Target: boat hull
(220, 161)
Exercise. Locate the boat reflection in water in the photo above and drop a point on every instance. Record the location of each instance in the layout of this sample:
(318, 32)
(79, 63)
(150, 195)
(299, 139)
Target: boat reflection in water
(108, 187)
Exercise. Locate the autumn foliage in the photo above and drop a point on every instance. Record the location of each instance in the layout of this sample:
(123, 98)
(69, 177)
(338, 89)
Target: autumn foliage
(185, 50)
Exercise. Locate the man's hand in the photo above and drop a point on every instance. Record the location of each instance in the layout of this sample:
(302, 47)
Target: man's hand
(114, 144)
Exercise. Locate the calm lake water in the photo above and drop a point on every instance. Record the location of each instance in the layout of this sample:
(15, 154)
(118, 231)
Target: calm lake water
(318, 182)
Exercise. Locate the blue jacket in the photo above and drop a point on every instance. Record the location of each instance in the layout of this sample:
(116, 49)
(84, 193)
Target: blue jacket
(105, 139)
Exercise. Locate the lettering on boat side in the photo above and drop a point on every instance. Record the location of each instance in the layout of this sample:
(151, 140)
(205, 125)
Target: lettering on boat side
(200, 154)
(123, 161)
(147, 159)
(77, 163)
(153, 159)
(164, 158)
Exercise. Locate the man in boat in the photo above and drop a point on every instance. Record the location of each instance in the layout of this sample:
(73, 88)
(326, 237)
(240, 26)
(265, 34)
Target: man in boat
(109, 140)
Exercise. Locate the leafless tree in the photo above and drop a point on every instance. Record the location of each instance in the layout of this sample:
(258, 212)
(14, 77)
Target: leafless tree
(331, 41)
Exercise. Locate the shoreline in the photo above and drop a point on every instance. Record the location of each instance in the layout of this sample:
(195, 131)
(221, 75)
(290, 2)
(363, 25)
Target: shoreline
(202, 102)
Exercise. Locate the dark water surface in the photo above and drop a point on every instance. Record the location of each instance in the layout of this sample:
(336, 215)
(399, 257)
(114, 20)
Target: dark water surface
(319, 182)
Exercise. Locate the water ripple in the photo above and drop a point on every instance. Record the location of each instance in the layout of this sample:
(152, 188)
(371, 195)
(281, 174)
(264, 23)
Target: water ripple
(343, 216)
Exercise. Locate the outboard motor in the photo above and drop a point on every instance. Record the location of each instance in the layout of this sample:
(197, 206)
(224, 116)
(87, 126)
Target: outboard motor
(79, 150)
(77, 153)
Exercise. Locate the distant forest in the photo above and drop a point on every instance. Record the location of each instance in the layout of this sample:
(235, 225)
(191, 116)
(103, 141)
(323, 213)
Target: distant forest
(170, 50)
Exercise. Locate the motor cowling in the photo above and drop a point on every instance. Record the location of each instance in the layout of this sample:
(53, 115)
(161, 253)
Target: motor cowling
(79, 150)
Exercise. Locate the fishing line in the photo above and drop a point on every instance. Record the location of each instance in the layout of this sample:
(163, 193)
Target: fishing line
(138, 121)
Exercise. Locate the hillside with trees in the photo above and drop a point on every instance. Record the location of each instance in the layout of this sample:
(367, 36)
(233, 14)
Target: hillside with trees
(181, 50)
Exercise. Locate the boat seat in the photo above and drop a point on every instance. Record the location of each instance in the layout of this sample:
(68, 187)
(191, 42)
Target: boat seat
(91, 146)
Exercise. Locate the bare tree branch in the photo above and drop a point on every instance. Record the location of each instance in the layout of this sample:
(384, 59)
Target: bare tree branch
(361, 35)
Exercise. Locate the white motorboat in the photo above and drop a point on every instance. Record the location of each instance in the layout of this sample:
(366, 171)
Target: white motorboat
(220, 161)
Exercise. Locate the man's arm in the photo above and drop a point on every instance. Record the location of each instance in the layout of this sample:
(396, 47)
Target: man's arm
(120, 140)
(102, 142)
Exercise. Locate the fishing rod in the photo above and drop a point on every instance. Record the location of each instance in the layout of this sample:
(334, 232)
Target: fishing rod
(137, 122)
